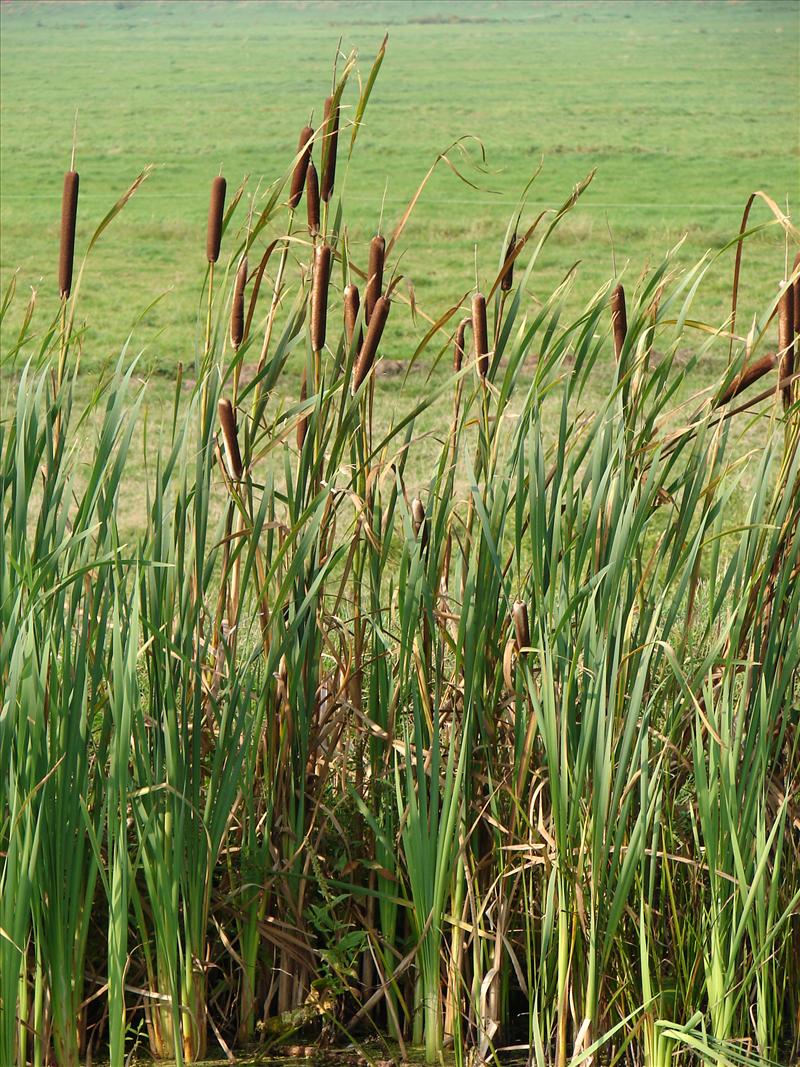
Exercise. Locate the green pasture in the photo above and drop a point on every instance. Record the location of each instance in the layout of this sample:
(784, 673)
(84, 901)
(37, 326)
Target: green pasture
(683, 108)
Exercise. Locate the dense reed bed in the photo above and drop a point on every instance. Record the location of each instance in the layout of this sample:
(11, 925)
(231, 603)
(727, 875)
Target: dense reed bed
(499, 763)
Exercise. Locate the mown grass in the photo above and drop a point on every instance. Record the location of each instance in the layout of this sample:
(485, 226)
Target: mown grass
(684, 109)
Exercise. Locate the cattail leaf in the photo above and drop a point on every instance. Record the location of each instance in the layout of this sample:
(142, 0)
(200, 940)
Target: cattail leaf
(120, 204)
(363, 99)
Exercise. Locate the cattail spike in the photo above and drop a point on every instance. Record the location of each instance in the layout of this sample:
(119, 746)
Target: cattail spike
(329, 146)
(237, 308)
(619, 320)
(508, 273)
(216, 209)
(319, 296)
(377, 251)
(301, 166)
(69, 215)
(747, 377)
(796, 316)
(786, 342)
(418, 521)
(366, 358)
(458, 351)
(227, 420)
(519, 614)
(312, 199)
(352, 304)
(480, 334)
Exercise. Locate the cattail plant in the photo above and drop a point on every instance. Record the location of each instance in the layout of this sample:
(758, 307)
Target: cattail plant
(301, 166)
(377, 251)
(458, 348)
(230, 435)
(237, 308)
(69, 214)
(507, 280)
(519, 614)
(747, 377)
(319, 296)
(418, 521)
(312, 199)
(366, 358)
(786, 330)
(330, 143)
(351, 308)
(619, 320)
(480, 335)
(216, 210)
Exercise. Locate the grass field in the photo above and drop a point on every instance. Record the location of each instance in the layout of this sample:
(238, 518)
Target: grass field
(458, 709)
(683, 108)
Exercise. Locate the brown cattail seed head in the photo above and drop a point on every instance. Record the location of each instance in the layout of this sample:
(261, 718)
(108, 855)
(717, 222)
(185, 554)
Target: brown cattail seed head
(319, 296)
(418, 521)
(747, 377)
(458, 351)
(329, 145)
(302, 426)
(227, 420)
(237, 308)
(796, 287)
(377, 251)
(519, 614)
(480, 334)
(786, 342)
(301, 166)
(69, 215)
(216, 209)
(366, 358)
(352, 304)
(619, 320)
(312, 199)
(508, 274)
